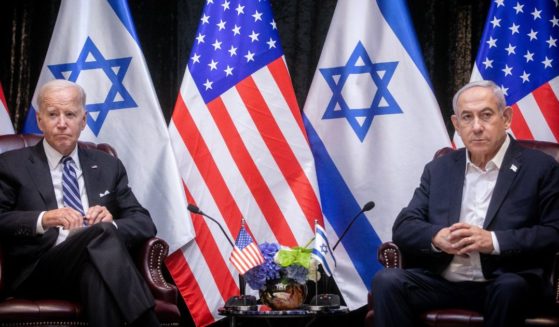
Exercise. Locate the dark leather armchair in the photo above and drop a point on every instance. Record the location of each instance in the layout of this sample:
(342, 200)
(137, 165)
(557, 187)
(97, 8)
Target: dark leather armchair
(389, 256)
(50, 312)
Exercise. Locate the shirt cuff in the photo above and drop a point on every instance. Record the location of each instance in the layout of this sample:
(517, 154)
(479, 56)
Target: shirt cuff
(40, 229)
(496, 248)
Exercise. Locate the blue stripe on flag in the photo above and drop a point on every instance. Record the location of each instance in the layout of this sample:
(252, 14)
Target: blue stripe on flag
(30, 125)
(398, 17)
(325, 238)
(339, 206)
(323, 262)
(123, 12)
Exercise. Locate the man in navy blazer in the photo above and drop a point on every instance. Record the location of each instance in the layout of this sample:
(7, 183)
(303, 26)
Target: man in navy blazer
(481, 229)
(49, 252)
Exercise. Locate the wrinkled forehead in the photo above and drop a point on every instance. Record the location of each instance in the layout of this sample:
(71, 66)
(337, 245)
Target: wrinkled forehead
(477, 99)
(62, 98)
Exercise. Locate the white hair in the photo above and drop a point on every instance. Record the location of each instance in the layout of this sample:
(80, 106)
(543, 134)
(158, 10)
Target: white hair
(60, 84)
(497, 92)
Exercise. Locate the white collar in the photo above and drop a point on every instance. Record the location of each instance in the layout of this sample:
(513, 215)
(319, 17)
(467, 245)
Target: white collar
(497, 160)
(54, 157)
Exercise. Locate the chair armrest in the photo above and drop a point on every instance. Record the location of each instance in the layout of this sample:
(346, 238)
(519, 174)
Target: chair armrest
(150, 264)
(389, 255)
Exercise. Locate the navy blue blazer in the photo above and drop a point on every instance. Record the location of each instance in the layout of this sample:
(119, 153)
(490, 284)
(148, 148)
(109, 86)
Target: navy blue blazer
(523, 213)
(26, 190)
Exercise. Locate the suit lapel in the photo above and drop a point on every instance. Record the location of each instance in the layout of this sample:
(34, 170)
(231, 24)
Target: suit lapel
(38, 168)
(508, 172)
(456, 183)
(91, 176)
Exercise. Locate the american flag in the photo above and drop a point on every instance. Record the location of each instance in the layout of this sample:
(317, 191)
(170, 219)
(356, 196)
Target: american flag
(519, 51)
(241, 149)
(245, 254)
(6, 126)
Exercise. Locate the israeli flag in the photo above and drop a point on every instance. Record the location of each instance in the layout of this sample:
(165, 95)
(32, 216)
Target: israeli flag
(322, 251)
(373, 123)
(94, 44)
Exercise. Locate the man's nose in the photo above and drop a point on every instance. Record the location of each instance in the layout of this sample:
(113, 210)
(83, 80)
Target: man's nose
(61, 121)
(477, 124)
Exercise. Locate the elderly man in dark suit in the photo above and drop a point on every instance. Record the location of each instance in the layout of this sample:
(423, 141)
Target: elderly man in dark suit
(68, 218)
(482, 227)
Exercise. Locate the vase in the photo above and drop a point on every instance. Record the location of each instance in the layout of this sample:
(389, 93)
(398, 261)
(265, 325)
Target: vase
(280, 295)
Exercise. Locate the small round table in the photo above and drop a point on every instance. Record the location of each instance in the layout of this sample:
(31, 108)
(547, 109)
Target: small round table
(281, 316)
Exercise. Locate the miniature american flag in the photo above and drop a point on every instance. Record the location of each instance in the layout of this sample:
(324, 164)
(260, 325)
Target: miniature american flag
(246, 253)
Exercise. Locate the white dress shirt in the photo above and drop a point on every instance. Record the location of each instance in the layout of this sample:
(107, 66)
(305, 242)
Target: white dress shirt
(477, 192)
(54, 159)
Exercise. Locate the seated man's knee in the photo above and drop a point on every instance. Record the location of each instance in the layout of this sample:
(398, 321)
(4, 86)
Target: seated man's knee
(388, 279)
(102, 231)
(510, 285)
(103, 228)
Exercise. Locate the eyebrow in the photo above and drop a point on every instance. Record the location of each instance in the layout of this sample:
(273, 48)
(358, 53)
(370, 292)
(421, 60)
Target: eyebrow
(483, 109)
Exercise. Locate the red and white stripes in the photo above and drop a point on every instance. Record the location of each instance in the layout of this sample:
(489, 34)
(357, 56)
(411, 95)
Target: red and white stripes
(243, 155)
(536, 116)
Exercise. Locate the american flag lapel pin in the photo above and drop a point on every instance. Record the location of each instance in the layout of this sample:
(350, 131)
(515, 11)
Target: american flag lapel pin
(513, 167)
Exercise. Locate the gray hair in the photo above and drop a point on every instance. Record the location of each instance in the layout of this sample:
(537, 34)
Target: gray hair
(497, 92)
(60, 84)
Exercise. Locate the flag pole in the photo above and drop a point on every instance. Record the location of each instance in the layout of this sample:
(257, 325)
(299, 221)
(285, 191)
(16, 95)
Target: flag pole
(241, 302)
(323, 301)
(315, 271)
(242, 284)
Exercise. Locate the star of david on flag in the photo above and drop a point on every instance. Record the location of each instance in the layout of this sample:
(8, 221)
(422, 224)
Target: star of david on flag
(322, 251)
(519, 51)
(377, 76)
(113, 70)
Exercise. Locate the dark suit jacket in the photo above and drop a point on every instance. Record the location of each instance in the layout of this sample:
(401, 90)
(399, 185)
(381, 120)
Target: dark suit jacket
(523, 213)
(26, 190)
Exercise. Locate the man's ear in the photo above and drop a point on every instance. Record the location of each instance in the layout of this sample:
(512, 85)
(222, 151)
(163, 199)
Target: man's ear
(84, 120)
(507, 115)
(38, 118)
(454, 120)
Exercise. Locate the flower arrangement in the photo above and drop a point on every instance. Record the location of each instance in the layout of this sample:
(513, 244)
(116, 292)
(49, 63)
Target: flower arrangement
(282, 264)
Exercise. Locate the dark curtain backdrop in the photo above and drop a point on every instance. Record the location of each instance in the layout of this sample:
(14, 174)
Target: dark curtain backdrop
(448, 31)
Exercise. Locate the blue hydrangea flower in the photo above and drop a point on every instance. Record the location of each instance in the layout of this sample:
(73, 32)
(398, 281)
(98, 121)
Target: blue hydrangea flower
(258, 276)
(297, 272)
